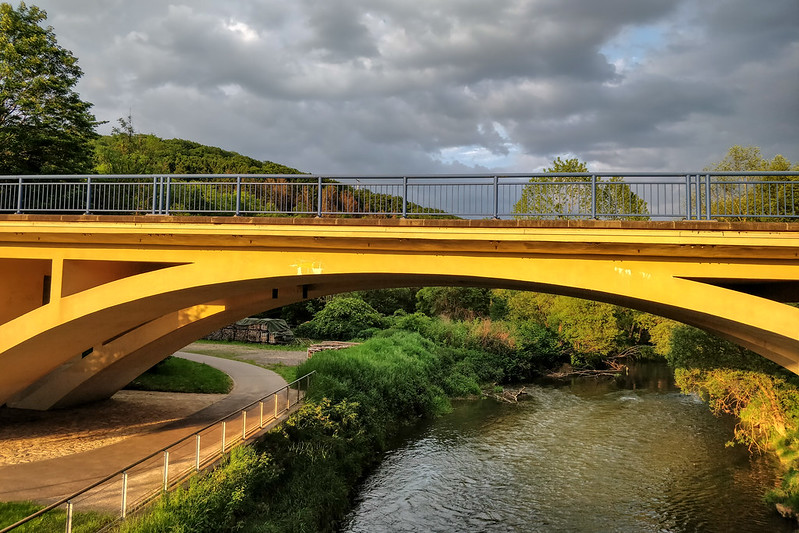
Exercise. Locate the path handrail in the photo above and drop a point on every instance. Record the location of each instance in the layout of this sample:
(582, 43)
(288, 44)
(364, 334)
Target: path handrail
(109, 477)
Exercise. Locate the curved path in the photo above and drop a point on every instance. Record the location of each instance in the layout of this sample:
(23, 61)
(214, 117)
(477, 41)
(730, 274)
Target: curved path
(53, 479)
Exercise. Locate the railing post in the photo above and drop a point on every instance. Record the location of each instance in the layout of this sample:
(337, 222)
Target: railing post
(19, 195)
(593, 196)
(261, 417)
(124, 494)
(88, 195)
(168, 198)
(496, 197)
(319, 196)
(197, 453)
(166, 470)
(404, 196)
(155, 195)
(238, 196)
(160, 191)
(698, 197)
(288, 399)
(688, 197)
(69, 516)
(224, 424)
(275, 397)
(707, 197)
(243, 424)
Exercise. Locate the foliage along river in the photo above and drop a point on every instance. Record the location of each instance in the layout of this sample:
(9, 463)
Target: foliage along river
(591, 455)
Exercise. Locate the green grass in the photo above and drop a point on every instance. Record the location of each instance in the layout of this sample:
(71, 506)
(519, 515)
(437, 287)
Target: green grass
(174, 374)
(289, 373)
(55, 520)
(298, 345)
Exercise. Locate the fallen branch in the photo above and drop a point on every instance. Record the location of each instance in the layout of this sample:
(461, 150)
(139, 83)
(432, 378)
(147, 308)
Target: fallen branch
(510, 396)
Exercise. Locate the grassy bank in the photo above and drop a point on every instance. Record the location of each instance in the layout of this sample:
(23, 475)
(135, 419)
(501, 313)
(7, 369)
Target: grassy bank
(301, 477)
(175, 374)
(83, 522)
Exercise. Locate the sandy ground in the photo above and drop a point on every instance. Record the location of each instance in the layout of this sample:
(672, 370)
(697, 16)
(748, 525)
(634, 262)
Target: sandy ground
(27, 436)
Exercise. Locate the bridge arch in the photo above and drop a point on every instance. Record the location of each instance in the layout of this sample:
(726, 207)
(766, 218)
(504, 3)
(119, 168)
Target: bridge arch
(187, 279)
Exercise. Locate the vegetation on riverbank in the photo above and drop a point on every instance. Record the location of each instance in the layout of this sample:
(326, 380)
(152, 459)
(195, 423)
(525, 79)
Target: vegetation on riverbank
(82, 521)
(763, 397)
(300, 477)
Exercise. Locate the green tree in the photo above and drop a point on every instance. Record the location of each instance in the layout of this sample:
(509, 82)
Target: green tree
(557, 197)
(45, 128)
(747, 197)
(560, 197)
(457, 303)
(342, 319)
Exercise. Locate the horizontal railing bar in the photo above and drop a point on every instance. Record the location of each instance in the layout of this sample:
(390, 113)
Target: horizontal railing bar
(691, 195)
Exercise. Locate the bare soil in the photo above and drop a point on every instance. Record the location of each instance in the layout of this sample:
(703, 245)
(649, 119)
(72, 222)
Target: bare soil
(254, 354)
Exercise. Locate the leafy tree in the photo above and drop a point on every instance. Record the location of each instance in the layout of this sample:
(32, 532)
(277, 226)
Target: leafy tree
(747, 197)
(342, 319)
(457, 303)
(548, 197)
(45, 128)
(127, 151)
(590, 327)
(696, 348)
(389, 301)
(559, 197)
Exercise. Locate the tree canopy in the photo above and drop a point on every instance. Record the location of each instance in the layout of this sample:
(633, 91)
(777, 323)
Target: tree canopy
(560, 197)
(45, 127)
(126, 151)
(746, 197)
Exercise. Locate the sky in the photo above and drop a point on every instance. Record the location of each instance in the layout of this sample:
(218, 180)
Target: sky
(446, 86)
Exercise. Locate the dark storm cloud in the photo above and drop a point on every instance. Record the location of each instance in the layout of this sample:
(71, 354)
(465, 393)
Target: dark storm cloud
(409, 86)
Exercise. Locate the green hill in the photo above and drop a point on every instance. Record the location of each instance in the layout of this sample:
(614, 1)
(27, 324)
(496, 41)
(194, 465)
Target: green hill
(127, 152)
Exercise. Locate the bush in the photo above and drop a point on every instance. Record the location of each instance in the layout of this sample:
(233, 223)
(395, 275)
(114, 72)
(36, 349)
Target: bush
(695, 348)
(342, 319)
(213, 502)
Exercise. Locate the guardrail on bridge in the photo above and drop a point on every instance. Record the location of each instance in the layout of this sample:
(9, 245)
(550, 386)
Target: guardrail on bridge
(603, 195)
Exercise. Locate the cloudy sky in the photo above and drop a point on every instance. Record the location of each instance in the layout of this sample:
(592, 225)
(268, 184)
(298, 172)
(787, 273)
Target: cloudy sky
(416, 86)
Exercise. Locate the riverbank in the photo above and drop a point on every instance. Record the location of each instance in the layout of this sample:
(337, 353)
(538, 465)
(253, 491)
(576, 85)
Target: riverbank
(302, 476)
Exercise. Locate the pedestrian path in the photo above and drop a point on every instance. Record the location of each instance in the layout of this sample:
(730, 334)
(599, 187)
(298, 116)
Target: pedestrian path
(52, 479)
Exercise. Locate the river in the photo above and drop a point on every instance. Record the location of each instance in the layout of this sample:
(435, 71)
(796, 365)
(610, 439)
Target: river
(631, 455)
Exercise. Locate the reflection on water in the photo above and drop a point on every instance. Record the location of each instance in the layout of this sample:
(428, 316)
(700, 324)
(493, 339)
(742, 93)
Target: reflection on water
(593, 455)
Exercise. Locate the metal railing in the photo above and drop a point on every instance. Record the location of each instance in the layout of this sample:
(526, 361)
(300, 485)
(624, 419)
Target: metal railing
(139, 483)
(602, 195)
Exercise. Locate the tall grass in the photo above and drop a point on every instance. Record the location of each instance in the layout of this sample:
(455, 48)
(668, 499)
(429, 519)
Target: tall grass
(55, 520)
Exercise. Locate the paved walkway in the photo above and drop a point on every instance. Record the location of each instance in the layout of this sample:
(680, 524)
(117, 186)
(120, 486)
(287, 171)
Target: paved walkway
(52, 479)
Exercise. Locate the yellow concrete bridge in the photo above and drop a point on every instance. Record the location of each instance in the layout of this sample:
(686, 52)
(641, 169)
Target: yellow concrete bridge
(89, 302)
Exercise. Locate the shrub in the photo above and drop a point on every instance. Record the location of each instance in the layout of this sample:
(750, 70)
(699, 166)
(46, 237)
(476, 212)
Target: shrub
(213, 502)
(342, 319)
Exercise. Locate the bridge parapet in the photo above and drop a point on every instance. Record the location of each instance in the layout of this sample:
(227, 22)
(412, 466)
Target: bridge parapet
(759, 196)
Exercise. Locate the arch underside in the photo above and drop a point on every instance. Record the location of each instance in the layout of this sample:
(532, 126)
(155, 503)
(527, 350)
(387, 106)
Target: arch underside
(85, 344)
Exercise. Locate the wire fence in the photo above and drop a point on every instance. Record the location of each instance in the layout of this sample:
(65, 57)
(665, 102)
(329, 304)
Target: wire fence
(111, 499)
(758, 196)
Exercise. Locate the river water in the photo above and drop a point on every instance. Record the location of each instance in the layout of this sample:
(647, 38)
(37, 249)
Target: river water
(590, 455)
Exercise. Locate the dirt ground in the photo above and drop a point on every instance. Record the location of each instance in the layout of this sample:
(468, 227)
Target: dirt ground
(27, 436)
(249, 354)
